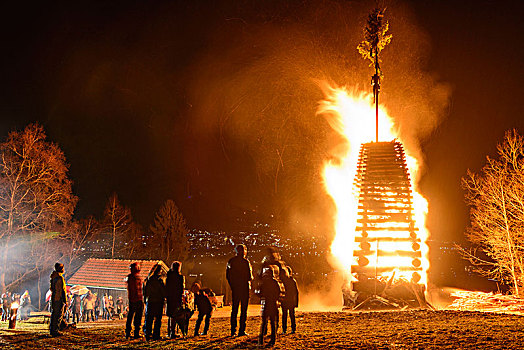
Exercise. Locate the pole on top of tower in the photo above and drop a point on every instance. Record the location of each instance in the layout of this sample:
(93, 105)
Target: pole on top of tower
(375, 40)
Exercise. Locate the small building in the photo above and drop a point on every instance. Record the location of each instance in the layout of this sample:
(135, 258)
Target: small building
(108, 276)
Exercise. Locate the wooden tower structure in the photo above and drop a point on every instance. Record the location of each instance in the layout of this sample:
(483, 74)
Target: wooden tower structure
(387, 246)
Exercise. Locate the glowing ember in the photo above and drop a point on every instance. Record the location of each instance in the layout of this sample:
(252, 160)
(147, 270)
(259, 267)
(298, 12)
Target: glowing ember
(396, 246)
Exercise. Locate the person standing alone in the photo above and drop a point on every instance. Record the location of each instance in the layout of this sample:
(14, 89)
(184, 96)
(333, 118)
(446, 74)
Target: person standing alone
(239, 276)
(136, 306)
(58, 299)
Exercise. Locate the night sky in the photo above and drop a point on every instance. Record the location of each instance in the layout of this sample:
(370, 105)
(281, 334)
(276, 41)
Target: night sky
(212, 103)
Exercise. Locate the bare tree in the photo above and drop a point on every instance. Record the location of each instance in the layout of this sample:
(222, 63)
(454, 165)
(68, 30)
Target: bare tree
(76, 242)
(169, 233)
(496, 200)
(35, 192)
(117, 224)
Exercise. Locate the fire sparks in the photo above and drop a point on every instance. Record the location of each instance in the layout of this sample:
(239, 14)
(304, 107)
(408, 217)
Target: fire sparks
(394, 250)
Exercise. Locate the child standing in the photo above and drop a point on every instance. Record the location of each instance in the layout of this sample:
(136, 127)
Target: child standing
(271, 293)
(204, 308)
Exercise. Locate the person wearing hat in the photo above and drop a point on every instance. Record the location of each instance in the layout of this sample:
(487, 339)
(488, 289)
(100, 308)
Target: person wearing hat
(58, 299)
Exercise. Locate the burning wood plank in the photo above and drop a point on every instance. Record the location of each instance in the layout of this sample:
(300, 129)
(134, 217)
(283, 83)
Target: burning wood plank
(480, 301)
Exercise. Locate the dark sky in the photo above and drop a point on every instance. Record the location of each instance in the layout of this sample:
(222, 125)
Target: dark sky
(212, 103)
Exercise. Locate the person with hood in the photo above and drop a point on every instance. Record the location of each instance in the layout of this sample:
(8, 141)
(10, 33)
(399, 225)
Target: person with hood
(290, 301)
(175, 285)
(154, 295)
(204, 308)
(271, 293)
(58, 300)
(239, 276)
(136, 306)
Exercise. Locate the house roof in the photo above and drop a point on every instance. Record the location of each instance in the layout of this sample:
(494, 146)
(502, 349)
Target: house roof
(110, 273)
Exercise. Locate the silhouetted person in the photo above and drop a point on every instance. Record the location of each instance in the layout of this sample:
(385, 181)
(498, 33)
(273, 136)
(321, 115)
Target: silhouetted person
(154, 295)
(290, 301)
(271, 293)
(58, 300)
(239, 276)
(136, 306)
(175, 285)
(204, 307)
(272, 257)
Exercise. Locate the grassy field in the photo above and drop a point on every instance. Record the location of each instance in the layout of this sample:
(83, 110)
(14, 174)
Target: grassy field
(420, 329)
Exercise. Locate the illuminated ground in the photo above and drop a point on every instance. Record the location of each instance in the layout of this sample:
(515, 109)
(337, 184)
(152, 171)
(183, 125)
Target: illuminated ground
(320, 330)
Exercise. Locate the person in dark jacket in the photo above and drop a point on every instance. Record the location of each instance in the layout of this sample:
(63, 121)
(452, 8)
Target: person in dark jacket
(136, 307)
(271, 293)
(272, 257)
(58, 300)
(290, 301)
(76, 307)
(154, 295)
(203, 304)
(239, 276)
(175, 285)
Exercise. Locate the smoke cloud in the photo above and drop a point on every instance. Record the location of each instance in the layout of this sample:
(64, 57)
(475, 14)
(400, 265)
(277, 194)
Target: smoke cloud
(256, 89)
(220, 99)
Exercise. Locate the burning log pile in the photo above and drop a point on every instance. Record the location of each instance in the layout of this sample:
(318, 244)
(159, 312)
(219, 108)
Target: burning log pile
(387, 264)
(480, 301)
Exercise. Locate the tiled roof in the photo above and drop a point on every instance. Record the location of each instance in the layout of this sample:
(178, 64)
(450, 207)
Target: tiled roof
(109, 273)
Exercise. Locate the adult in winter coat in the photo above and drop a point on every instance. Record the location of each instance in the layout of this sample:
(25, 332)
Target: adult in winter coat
(204, 308)
(271, 293)
(58, 300)
(175, 284)
(273, 258)
(239, 276)
(136, 306)
(154, 295)
(290, 301)
(76, 308)
(89, 306)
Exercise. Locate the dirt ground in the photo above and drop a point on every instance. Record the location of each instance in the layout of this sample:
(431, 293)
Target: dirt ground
(417, 329)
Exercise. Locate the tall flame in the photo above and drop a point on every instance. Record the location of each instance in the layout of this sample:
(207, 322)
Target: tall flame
(351, 114)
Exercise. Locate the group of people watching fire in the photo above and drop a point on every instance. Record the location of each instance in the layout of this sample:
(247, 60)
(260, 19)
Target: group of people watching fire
(276, 288)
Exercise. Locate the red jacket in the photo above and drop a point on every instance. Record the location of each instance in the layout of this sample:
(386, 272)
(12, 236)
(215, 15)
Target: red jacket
(134, 287)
